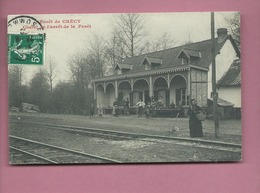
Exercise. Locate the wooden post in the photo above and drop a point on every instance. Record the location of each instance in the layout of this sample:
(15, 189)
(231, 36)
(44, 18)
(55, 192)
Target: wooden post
(116, 89)
(214, 86)
(95, 97)
(150, 87)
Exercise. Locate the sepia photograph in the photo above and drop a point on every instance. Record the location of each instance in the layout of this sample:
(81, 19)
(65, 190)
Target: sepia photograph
(124, 88)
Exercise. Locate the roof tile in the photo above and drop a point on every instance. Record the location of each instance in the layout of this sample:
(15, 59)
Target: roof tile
(169, 56)
(233, 75)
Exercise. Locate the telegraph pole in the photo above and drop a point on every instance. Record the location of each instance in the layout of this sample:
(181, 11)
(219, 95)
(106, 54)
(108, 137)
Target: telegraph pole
(214, 86)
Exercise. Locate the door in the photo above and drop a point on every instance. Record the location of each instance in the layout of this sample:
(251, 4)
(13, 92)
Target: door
(146, 97)
(178, 96)
(182, 96)
(120, 98)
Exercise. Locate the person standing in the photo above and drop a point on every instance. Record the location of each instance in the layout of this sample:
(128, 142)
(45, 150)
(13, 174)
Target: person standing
(100, 110)
(92, 109)
(148, 110)
(116, 108)
(126, 106)
(180, 109)
(140, 106)
(160, 102)
(172, 105)
(195, 125)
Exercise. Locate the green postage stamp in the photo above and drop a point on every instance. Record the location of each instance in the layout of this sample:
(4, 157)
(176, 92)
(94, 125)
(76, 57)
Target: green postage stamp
(26, 49)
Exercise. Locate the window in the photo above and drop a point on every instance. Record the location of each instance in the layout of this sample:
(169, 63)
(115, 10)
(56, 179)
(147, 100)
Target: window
(184, 97)
(136, 98)
(181, 95)
(147, 66)
(184, 60)
(119, 71)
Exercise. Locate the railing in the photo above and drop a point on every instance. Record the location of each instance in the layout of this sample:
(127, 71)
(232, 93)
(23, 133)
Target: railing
(154, 112)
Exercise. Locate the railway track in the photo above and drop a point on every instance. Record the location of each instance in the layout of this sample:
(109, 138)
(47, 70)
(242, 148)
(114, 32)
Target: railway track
(222, 146)
(50, 154)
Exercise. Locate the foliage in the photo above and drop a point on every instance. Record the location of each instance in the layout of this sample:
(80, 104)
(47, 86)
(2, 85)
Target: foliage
(15, 85)
(62, 98)
(234, 26)
(40, 91)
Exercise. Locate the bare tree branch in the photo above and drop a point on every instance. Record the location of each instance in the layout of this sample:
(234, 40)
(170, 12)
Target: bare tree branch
(129, 30)
(51, 71)
(234, 26)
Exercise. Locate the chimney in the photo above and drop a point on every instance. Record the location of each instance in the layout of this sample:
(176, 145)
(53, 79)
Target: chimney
(222, 33)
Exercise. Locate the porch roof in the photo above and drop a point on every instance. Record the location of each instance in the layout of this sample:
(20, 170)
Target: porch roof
(179, 68)
(221, 102)
(141, 74)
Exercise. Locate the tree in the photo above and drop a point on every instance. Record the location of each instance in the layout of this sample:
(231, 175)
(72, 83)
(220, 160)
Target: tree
(63, 97)
(78, 68)
(51, 68)
(95, 58)
(163, 42)
(129, 30)
(51, 75)
(77, 65)
(85, 66)
(234, 26)
(166, 41)
(114, 51)
(15, 75)
(39, 90)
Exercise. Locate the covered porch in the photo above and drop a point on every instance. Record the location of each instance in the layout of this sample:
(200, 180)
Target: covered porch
(175, 86)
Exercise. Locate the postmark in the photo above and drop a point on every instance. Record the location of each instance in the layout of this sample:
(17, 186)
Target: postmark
(26, 41)
(24, 24)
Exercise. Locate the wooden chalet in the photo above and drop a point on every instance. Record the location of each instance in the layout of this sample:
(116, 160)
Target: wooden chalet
(175, 74)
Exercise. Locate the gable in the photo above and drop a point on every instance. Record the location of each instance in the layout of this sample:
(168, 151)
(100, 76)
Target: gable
(151, 62)
(123, 67)
(189, 53)
(225, 57)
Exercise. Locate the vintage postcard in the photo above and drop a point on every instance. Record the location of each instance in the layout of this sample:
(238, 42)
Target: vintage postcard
(124, 88)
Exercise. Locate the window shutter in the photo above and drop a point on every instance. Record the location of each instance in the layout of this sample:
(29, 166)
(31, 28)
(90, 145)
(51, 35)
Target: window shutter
(167, 97)
(155, 94)
(178, 96)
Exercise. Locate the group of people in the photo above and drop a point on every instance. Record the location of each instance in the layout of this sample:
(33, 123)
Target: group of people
(125, 107)
(92, 111)
(195, 125)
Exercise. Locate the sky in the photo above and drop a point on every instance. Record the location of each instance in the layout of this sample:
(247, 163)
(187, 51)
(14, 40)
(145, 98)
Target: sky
(62, 43)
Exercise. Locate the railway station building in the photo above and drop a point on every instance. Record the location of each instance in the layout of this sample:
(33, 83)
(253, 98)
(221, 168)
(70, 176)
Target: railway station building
(172, 75)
